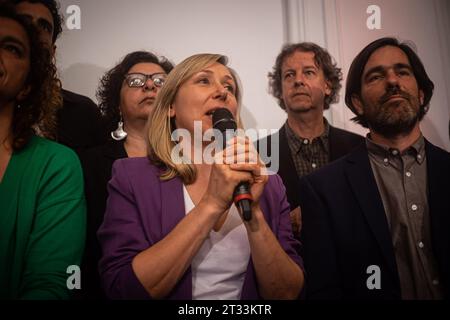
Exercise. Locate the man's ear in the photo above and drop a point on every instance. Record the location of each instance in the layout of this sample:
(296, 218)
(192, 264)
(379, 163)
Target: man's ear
(421, 97)
(357, 103)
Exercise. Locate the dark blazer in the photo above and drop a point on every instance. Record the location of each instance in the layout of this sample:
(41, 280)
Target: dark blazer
(142, 210)
(345, 229)
(80, 125)
(341, 143)
(97, 166)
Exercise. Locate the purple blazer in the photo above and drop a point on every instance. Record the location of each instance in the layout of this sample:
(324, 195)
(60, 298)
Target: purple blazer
(141, 210)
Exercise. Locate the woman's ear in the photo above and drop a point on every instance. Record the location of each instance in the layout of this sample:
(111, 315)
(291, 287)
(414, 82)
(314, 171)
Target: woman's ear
(171, 112)
(328, 88)
(23, 94)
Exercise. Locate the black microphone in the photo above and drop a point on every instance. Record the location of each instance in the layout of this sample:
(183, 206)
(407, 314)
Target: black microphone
(223, 120)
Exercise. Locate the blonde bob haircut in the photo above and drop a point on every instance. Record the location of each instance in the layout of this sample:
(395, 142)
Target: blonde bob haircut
(160, 125)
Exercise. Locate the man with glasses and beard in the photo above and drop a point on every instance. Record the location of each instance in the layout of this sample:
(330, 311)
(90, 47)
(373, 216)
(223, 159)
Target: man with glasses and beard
(380, 230)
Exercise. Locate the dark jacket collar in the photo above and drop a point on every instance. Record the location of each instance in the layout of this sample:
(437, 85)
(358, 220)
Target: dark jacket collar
(364, 187)
(363, 184)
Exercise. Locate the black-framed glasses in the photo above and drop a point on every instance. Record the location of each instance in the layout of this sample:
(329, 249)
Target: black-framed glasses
(137, 80)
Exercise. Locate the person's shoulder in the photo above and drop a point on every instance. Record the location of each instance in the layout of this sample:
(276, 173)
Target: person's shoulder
(137, 174)
(139, 167)
(437, 150)
(341, 133)
(334, 171)
(74, 104)
(52, 150)
(76, 98)
(331, 169)
(51, 161)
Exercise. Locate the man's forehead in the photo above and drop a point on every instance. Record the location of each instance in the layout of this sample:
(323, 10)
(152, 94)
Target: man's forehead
(387, 57)
(305, 58)
(35, 10)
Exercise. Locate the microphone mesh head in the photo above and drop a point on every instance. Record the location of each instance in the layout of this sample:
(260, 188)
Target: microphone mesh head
(223, 119)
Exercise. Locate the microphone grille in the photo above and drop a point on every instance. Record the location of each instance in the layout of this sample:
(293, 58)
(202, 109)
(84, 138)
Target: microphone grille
(223, 119)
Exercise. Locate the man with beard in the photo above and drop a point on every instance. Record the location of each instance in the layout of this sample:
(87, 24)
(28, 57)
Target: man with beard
(380, 229)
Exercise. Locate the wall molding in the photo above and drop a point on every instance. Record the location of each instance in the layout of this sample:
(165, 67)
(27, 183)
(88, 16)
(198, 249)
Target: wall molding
(306, 20)
(333, 36)
(442, 11)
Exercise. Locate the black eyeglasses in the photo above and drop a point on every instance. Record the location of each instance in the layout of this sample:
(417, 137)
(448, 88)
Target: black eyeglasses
(137, 80)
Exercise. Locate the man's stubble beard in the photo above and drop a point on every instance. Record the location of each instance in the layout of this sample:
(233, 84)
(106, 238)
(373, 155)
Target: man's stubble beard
(392, 119)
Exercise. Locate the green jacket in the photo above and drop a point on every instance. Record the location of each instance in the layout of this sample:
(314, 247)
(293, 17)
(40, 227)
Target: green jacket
(42, 221)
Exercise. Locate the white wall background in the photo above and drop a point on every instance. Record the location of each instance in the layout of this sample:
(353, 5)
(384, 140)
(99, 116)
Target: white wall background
(251, 33)
(415, 20)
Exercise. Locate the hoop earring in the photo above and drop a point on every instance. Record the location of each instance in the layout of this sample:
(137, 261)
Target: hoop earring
(119, 133)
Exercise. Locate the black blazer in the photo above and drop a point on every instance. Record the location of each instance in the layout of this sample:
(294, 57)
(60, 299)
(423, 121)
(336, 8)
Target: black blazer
(80, 124)
(97, 166)
(341, 143)
(345, 229)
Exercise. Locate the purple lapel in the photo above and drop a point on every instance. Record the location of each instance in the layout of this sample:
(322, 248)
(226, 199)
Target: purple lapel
(173, 211)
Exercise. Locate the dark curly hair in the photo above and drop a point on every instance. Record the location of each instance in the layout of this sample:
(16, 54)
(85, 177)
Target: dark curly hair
(34, 111)
(108, 92)
(53, 7)
(353, 86)
(323, 60)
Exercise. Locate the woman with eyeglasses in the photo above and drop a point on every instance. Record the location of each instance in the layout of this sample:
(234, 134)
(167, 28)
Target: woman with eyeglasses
(171, 229)
(126, 97)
